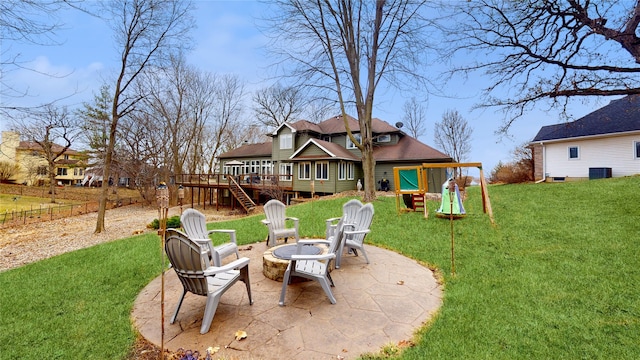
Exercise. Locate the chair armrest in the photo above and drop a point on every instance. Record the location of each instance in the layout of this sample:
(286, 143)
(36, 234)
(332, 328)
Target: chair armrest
(313, 242)
(265, 222)
(236, 264)
(294, 219)
(232, 233)
(355, 232)
(332, 220)
(313, 257)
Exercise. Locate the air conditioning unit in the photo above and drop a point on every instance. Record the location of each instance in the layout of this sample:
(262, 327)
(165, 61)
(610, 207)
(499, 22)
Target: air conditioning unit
(599, 173)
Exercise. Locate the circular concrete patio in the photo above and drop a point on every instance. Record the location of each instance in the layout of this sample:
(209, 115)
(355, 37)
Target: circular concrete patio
(379, 303)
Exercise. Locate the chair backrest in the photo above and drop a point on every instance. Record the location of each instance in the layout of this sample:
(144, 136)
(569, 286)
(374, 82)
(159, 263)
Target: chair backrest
(274, 210)
(194, 224)
(350, 209)
(188, 261)
(363, 220)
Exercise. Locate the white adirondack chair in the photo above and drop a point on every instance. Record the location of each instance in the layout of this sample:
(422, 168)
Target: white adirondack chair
(275, 221)
(349, 210)
(313, 267)
(191, 263)
(195, 226)
(354, 234)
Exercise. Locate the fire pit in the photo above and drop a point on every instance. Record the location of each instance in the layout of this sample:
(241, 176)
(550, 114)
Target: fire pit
(276, 259)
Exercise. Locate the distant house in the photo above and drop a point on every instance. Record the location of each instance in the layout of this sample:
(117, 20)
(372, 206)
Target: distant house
(604, 143)
(32, 164)
(306, 158)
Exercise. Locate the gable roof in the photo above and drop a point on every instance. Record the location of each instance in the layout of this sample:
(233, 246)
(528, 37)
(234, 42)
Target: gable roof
(332, 151)
(619, 116)
(408, 149)
(249, 150)
(335, 125)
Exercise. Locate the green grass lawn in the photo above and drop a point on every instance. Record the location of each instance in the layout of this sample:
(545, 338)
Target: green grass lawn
(556, 278)
(9, 203)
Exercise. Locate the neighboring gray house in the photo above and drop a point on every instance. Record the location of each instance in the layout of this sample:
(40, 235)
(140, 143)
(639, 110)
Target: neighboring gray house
(604, 143)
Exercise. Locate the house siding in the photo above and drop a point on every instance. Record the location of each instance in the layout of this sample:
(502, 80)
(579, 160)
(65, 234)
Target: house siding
(616, 153)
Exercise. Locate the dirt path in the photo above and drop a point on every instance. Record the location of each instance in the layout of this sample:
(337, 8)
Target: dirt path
(24, 244)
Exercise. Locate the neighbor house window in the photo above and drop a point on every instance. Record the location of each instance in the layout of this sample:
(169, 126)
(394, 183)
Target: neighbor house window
(286, 141)
(286, 170)
(304, 171)
(573, 152)
(350, 144)
(62, 171)
(637, 147)
(42, 171)
(322, 170)
(326, 138)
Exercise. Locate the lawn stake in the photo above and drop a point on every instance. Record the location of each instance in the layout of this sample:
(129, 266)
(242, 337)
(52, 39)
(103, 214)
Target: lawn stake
(162, 197)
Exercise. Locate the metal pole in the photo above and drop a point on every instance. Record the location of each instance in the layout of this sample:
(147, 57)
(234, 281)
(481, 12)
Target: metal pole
(162, 197)
(451, 195)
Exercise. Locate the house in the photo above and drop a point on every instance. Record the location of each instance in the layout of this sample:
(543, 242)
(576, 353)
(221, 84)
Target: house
(305, 158)
(604, 143)
(32, 164)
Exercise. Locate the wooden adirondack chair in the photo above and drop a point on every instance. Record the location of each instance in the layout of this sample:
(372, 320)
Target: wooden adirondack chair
(313, 267)
(276, 219)
(195, 226)
(354, 234)
(191, 263)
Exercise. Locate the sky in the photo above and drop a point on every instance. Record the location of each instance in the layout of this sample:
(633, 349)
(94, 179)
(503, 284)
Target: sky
(227, 40)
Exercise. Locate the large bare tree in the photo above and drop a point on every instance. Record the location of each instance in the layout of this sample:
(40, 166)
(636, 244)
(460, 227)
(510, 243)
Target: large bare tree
(351, 48)
(146, 32)
(277, 104)
(536, 50)
(52, 131)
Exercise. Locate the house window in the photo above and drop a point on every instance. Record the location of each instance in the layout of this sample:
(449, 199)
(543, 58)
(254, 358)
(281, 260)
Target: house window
(77, 172)
(267, 167)
(286, 141)
(286, 170)
(255, 166)
(573, 152)
(345, 170)
(304, 171)
(637, 147)
(384, 138)
(62, 171)
(42, 171)
(326, 138)
(322, 170)
(350, 144)
(350, 172)
(342, 170)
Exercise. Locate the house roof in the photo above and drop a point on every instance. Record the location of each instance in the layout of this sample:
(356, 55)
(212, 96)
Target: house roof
(32, 145)
(408, 149)
(331, 151)
(619, 116)
(335, 125)
(249, 150)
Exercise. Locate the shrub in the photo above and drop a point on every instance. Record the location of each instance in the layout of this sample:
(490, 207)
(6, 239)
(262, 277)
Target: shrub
(172, 223)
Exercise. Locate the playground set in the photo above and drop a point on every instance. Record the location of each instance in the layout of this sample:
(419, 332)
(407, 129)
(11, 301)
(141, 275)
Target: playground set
(412, 181)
